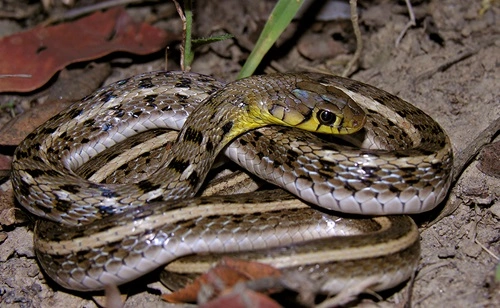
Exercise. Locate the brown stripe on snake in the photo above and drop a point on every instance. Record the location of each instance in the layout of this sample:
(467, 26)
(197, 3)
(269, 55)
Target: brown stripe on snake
(386, 177)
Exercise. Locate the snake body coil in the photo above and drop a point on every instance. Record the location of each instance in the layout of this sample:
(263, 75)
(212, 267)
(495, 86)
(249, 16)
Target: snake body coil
(94, 234)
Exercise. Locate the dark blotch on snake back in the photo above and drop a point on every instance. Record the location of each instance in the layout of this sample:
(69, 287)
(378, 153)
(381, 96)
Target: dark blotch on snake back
(184, 83)
(179, 165)
(46, 210)
(48, 130)
(24, 189)
(89, 122)
(70, 188)
(209, 146)
(31, 136)
(38, 159)
(408, 170)
(107, 96)
(106, 209)
(123, 167)
(74, 113)
(107, 193)
(146, 186)
(37, 172)
(427, 152)
(122, 82)
(194, 179)
(166, 108)
(411, 181)
(437, 166)
(22, 154)
(150, 99)
(227, 127)
(394, 189)
(181, 96)
(292, 155)
(370, 171)
(192, 135)
(257, 135)
(145, 83)
(64, 136)
(157, 199)
(62, 205)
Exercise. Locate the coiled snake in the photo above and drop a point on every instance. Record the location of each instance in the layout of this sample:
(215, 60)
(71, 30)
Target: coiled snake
(92, 234)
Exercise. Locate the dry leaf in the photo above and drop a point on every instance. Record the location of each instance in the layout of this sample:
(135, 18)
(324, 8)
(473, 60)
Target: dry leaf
(222, 278)
(29, 59)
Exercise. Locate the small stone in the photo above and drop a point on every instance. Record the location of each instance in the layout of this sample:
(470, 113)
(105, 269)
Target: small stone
(495, 209)
(446, 253)
(489, 162)
(472, 249)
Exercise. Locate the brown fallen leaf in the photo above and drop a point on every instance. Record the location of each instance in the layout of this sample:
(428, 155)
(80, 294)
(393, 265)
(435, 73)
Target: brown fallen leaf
(5, 162)
(71, 86)
(221, 279)
(218, 278)
(29, 59)
(254, 270)
(19, 127)
(242, 299)
(489, 160)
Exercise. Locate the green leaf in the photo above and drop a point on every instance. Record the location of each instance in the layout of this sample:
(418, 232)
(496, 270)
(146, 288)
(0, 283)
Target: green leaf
(280, 18)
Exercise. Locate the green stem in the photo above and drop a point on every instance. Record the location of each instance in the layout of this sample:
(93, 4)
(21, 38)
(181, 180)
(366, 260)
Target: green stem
(280, 18)
(188, 52)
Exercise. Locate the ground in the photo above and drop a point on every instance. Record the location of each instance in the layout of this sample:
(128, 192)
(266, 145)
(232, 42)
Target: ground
(447, 65)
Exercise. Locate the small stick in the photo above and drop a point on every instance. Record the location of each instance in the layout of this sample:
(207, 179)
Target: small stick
(410, 23)
(359, 40)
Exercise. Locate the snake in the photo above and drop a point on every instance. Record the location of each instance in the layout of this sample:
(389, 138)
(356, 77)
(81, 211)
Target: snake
(392, 159)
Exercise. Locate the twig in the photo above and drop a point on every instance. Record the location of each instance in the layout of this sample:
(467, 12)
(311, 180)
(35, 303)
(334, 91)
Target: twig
(474, 236)
(487, 250)
(183, 46)
(71, 14)
(446, 65)
(409, 24)
(409, 289)
(359, 41)
(16, 76)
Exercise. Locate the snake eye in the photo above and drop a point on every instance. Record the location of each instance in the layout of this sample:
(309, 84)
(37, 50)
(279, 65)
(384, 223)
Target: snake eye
(326, 117)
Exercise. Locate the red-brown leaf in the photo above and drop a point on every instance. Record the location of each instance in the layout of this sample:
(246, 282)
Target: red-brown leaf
(242, 299)
(40, 52)
(227, 273)
(220, 274)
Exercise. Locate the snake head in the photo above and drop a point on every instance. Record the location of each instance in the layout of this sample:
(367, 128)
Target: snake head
(320, 108)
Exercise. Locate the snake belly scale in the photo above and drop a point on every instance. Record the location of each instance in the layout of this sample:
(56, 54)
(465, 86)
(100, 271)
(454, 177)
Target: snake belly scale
(93, 234)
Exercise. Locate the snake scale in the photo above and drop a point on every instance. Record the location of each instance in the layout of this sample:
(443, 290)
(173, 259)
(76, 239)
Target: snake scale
(91, 233)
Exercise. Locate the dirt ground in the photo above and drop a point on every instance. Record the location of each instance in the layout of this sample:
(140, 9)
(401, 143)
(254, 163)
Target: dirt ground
(448, 65)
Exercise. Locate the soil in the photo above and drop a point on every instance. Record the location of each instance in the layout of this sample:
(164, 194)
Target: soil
(447, 64)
